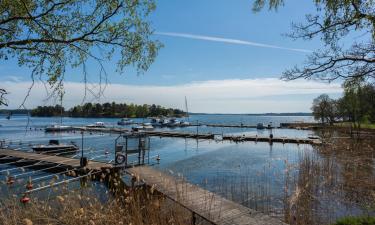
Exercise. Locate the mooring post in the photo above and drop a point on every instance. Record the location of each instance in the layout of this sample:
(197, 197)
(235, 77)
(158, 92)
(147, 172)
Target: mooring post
(83, 161)
(197, 128)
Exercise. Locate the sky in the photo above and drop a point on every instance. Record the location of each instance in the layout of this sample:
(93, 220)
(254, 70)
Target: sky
(218, 53)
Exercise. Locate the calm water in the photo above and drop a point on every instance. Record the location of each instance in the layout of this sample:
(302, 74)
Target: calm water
(257, 175)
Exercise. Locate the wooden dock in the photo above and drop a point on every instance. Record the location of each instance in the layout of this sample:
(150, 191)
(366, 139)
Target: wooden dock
(207, 136)
(52, 159)
(205, 204)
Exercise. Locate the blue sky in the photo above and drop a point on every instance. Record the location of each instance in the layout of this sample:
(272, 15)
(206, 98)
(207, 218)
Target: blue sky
(210, 43)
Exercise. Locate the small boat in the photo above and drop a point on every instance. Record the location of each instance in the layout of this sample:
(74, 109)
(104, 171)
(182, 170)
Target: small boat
(96, 125)
(173, 122)
(57, 128)
(185, 123)
(144, 127)
(156, 122)
(260, 126)
(313, 137)
(54, 147)
(125, 121)
(164, 122)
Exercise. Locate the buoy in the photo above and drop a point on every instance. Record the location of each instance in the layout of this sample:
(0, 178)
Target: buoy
(25, 199)
(106, 152)
(10, 180)
(158, 158)
(29, 185)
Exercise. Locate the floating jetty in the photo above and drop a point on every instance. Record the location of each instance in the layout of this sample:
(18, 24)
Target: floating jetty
(207, 136)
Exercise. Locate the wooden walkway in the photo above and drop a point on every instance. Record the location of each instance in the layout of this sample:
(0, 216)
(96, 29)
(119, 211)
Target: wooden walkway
(207, 136)
(64, 161)
(206, 204)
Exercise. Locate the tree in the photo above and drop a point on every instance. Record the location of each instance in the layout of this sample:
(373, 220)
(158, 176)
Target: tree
(3, 92)
(324, 109)
(51, 36)
(333, 22)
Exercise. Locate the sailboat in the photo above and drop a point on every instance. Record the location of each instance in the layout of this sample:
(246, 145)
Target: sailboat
(185, 123)
(54, 146)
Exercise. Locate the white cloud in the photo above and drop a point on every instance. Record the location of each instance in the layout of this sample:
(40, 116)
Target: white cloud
(215, 96)
(229, 41)
(11, 78)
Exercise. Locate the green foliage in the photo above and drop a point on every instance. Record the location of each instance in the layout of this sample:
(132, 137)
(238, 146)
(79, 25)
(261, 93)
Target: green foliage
(51, 36)
(333, 22)
(324, 109)
(356, 221)
(107, 110)
(356, 106)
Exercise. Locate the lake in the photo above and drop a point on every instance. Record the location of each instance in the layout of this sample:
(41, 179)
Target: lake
(278, 179)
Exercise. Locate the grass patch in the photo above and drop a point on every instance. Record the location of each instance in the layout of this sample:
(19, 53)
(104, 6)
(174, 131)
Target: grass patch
(365, 220)
(363, 125)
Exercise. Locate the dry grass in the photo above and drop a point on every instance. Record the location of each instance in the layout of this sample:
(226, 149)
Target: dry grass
(84, 206)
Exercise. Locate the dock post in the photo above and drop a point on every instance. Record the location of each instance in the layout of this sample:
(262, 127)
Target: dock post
(197, 129)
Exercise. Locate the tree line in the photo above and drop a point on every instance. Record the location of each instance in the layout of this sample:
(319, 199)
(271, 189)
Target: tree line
(107, 110)
(357, 105)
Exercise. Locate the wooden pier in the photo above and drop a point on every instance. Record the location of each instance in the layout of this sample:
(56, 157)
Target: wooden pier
(207, 136)
(68, 163)
(201, 202)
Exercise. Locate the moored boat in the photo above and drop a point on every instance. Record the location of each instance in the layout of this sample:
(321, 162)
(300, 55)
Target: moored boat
(54, 147)
(96, 125)
(57, 128)
(143, 127)
(125, 121)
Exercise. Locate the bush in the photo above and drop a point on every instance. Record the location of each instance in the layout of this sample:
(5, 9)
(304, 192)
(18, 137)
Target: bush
(366, 220)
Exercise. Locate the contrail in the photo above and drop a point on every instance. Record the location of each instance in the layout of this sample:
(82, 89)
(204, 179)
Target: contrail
(229, 41)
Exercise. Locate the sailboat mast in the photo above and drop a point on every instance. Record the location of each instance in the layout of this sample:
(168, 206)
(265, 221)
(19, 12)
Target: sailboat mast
(186, 108)
(61, 108)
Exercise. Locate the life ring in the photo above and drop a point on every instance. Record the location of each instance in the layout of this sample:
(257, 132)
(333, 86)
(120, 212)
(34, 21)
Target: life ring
(120, 159)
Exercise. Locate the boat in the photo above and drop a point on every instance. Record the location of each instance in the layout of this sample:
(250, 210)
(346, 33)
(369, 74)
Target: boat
(125, 121)
(57, 128)
(143, 127)
(260, 126)
(173, 122)
(55, 147)
(96, 125)
(164, 122)
(156, 122)
(313, 137)
(185, 123)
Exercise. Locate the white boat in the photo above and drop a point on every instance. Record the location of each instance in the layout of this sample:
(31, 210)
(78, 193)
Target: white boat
(173, 123)
(156, 122)
(56, 148)
(165, 122)
(144, 127)
(185, 123)
(57, 128)
(125, 121)
(96, 125)
(260, 126)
